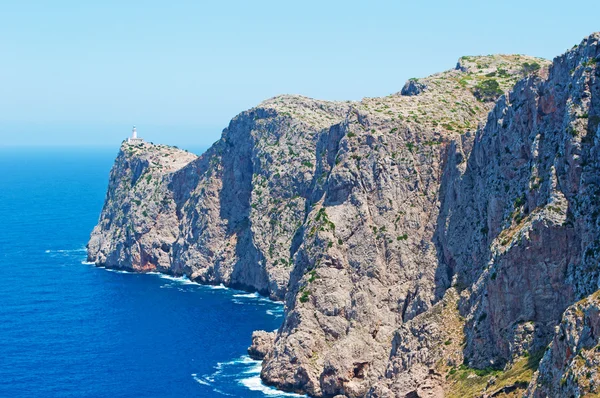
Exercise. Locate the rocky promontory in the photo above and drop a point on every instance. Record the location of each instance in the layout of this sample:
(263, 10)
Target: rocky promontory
(433, 242)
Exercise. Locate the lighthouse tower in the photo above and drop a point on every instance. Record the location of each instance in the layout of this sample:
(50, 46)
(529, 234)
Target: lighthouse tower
(134, 138)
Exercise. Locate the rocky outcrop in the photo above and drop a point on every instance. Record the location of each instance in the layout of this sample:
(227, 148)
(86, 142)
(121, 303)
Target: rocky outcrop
(139, 225)
(262, 343)
(414, 237)
(413, 87)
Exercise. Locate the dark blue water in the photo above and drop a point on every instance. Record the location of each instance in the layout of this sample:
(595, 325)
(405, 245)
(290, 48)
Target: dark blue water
(68, 329)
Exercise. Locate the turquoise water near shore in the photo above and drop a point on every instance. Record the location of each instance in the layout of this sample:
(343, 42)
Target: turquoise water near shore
(69, 329)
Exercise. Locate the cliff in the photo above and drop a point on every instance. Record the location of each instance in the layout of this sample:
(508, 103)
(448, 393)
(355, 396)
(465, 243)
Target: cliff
(518, 229)
(138, 224)
(434, 233)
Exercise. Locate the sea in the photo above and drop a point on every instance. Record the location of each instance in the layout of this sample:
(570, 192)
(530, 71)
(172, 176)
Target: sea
(70, 329)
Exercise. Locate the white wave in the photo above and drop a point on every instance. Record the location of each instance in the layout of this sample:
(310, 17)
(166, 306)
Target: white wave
(119, 271)
(248, 376)
(254, 383)
(221, 286)
(88, 263)
(255, 369)
(247, 295)
(66, 251)
(276, 313)
(221, 365)
(244, 359)
(206, 381)
(261, 300)
(179, 279)
(201, 380)
(221, 392)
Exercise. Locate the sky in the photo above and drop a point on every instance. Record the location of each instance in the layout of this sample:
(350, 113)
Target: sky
(81, 73)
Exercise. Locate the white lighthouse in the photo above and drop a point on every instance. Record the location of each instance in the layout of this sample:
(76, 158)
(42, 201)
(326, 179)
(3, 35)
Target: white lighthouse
(134, 138)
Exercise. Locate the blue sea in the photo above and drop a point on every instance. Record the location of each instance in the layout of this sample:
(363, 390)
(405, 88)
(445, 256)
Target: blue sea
(70, 329)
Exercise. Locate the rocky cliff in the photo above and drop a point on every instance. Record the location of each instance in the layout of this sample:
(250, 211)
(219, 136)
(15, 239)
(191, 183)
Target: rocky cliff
(419, 240)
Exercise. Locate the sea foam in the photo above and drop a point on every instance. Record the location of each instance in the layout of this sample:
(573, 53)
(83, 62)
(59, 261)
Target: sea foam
(65, 250)
(179, 279)
(247, 295)
(254, 383)
(220, 286)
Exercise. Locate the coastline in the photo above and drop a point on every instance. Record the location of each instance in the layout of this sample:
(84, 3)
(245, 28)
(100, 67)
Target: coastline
(250, 377)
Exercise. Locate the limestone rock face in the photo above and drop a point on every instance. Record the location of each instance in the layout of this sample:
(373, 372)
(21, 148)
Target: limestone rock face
(450, 224)
(413, 87)
(571, 363)
(138, 224)
(520, 224)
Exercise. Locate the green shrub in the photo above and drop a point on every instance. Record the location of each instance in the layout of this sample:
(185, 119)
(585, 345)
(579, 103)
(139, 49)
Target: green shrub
(487, 90)
(305, 296)
(313, 276)
(503, 73)
(530, 67)
(520, 201)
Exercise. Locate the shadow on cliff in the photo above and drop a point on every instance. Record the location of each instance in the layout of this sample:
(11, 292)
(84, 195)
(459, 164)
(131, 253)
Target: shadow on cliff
(237, 170)
(452, 185)
(526, 188)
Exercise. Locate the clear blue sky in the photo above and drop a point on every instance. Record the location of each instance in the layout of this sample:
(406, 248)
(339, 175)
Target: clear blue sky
(82, 72)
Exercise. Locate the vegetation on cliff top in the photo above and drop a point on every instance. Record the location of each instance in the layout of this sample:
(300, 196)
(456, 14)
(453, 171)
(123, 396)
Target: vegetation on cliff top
(510, 382)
